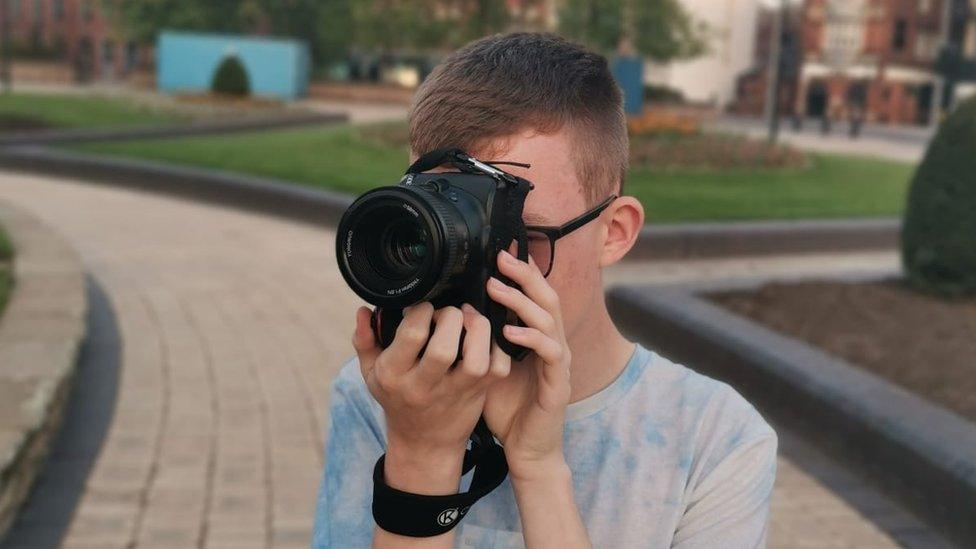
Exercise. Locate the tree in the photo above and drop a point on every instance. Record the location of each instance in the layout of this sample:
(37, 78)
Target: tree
(425, 25)
(141, 20)
(659, 29)
(325, 25)
(335, 31)
(331, 27)
(939, 231)
(231, 77)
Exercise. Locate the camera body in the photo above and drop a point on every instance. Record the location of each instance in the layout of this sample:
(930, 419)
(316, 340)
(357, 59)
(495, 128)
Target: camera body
(434, 237)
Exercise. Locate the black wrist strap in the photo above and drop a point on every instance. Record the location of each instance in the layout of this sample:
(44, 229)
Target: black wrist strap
(419, 515)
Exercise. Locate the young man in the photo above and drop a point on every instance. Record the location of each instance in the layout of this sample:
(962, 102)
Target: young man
(608, 443)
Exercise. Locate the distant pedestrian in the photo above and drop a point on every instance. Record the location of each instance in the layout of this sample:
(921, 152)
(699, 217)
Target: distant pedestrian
(857, 120)
(825, 123)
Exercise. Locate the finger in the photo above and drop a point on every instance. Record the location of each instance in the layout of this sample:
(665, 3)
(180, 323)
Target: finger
(553, 368)
(475, 351)
(501, 363)
(442, 348)
(411, 336)
(548, 349)
(364, 341)
(529, 277)
(531, 313)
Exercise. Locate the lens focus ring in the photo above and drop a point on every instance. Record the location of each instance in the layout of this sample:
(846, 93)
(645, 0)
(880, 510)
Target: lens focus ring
(452, 239)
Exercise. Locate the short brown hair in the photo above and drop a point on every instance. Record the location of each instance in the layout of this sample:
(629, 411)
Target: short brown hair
(500, 85)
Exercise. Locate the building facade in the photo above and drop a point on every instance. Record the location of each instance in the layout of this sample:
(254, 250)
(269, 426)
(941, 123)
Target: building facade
(72, 31)
(878, 60)
(957, 63)
(874, 58)
(711, 78)
(752, 85)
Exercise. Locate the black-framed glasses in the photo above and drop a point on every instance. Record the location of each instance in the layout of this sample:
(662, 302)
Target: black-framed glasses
(542, 238)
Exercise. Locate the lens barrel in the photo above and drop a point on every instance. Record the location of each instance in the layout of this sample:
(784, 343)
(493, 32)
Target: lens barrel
(400, 245)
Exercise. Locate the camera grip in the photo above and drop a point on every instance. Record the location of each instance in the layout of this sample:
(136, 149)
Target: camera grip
(499, 316)
(384, 322)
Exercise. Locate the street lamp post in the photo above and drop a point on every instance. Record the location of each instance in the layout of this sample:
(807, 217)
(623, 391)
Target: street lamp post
(5, 80)
(939, 85)
(775, 72)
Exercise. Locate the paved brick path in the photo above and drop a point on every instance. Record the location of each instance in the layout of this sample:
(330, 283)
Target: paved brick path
(232, 326)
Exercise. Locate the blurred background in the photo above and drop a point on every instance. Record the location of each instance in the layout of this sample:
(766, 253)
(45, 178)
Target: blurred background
(807, 167)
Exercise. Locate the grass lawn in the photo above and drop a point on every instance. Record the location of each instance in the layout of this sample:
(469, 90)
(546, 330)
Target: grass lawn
(22, 111)
(341, 157)
(6, 268)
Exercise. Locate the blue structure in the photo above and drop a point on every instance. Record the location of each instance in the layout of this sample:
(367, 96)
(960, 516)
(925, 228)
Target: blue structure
(187, 62)
(628, 71)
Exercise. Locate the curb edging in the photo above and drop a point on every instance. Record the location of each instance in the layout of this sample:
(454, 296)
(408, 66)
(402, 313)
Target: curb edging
(920, 452)
(258, 194)
(193, 128)
(324, 207)
(763, 238)
(41, 333)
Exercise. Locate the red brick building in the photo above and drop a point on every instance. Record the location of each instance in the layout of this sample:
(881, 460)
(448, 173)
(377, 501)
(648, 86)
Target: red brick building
(875, 55)
(874, 58)
(751, 86)
(75, 31)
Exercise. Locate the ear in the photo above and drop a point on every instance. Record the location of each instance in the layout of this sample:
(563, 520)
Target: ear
(626, 219)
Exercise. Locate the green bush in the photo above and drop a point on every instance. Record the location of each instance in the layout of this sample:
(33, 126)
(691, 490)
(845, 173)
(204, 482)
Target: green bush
(231, 77)
(939, 232)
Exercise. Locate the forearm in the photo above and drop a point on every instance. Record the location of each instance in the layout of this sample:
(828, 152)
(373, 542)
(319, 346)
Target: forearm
(429, 473)
(548, 511)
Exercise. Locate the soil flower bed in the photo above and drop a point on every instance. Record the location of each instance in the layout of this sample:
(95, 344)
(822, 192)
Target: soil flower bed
(711, 152)
(924, 344)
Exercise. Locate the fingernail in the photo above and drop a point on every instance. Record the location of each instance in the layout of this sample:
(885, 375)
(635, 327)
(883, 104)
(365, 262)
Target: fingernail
(512, 330)
(466, 307)
(508, 258)
(498, 284)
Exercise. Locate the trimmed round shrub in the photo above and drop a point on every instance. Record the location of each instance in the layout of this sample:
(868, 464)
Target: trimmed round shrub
(231, 77)
(939, 230)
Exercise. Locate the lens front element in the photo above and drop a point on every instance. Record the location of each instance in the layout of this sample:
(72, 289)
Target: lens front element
(399, 245)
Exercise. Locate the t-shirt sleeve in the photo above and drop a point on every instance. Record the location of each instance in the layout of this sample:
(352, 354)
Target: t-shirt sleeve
(343, 516)
(729, 506)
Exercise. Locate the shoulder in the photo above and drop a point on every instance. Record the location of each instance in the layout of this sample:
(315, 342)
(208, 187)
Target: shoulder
(349, 379)
(712, 419)
(349, 383)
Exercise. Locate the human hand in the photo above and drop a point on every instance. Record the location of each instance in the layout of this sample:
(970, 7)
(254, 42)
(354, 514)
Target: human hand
(526, 410)
(430, 408)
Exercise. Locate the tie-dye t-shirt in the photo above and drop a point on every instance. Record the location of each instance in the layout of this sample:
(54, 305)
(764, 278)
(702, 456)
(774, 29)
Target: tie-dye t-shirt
(661, 457)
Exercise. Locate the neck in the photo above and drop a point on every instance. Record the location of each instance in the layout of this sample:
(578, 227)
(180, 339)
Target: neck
(600, 351)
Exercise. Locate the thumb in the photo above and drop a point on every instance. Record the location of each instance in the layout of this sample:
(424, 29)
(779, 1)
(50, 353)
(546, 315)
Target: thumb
(364, 342)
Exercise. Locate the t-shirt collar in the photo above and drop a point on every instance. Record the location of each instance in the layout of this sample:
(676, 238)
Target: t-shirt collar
(617, 388)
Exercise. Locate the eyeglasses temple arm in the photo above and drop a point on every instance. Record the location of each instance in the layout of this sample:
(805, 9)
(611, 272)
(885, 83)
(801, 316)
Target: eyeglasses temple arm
(574, 224)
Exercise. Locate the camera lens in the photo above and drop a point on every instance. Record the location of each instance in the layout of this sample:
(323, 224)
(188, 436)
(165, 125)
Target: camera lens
(400, 245)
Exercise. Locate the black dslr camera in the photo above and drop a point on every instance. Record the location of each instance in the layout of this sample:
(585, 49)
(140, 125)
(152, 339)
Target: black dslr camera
(434, 237)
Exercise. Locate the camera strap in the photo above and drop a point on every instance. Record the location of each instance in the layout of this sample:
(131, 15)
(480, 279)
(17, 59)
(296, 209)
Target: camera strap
(418, 515)
(435, 158)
